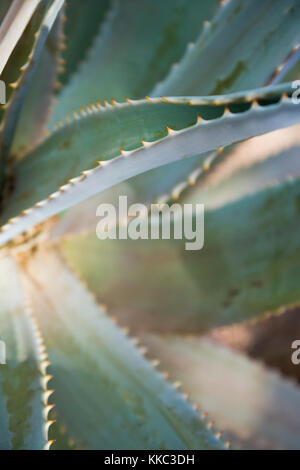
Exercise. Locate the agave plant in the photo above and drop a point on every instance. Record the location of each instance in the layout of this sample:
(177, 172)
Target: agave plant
(140, 98)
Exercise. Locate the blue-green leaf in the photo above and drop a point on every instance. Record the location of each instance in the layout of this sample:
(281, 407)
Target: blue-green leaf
(106, 393)
(14, 105)
(127, 139)
(23, 379)
(241, 48)
(249, 266)
(137, 44)
(255, 406)
(83, 22)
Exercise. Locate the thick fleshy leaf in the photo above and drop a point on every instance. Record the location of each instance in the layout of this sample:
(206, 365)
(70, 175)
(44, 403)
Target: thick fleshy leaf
(270, 339)
(146, 187)
(244, 46)
(37, 103)
(152, 133)
(289, 69)
(243, 37)
(168, 181)
(23, 412)
(14, 106)
(13, 26)
(120, 401)
(249, 265)
(136, 46)
(273, 170)
(294, 73)
(14, 67)
(83, 23)
(257, 407)
(12, 75)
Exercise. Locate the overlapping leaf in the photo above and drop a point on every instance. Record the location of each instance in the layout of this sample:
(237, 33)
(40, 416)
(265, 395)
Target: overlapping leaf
(83, 23)
(145, 135)
(105, 392)
(14, 106)
(241, 17)
(245, 268)
(136, 46)
(23, 412)
(35, 109)
(13, 25)
(256, 406)
(226, 54)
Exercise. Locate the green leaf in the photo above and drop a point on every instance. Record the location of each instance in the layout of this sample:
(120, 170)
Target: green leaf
(23, 411)
(119, 65)
(293, 73)
(13, 25)
(241, 48)
(257, 407)
(37, 103)
(256, 340)
(14, 106)
(289, 69)
(107, 394)
(13, 71)
(83, 22)
(273, 170)
(274, 41)
(128, 139)
(245, 268)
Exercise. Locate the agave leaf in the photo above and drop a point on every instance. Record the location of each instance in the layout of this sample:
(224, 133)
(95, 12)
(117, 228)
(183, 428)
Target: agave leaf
(244, 46)
(60, 436)
(168, 181)
(177, 177)
(294, 73)
(79, 145)
(13, 108)
(13, 26)
(83, 20)
(120, 401)
(23, 403)
(243, 36)
(14, 67)
(13, 72)
(151, 188)
(37, 103)
(289, 69)
(259, 408)
(273, 170)
(119, 65)
(269, 339)
(244, 269)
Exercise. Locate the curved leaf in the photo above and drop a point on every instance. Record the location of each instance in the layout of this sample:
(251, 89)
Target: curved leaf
(120, 401)
(275, 169)
(35, 110)
(121, 65)
(14, 106)
(13, 26)
(23, 414)
(269, 339)
(257, 407)
(163, 184)
(245, 268)
(83, 21)
(243, 37)
(79, 145)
